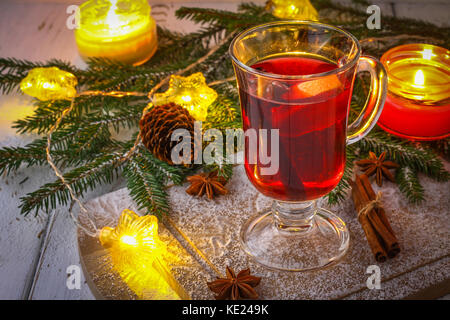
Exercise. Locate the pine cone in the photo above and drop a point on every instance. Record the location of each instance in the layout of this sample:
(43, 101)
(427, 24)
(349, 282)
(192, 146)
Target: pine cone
(157, 127)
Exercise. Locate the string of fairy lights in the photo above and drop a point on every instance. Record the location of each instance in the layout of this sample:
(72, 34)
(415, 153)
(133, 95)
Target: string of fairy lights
(134, 242)
(136, 251)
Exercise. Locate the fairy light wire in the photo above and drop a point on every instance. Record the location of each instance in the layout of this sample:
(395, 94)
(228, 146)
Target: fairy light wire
(131, 151)
(179, 72)
(59, 174)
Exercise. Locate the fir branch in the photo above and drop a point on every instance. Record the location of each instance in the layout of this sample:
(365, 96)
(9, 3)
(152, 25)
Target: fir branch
(223, 170)
(65, 151)
(178, 55)
(13, 70)
(74, 144)
(223, 114)
(207, 15)
(229, 91)
(18, 66)
(441, 147)
(205, 33)
(406, 154)
(9, 82)
(218, 65)
(100, 171)
(33, 154)
(230, 20)
(45, 115)
(88, 141)
(47, 112)
(253, 9)
(353, 18)
(167, 172)
(146, 187)
(124, 112)
(108, 75)
(409, 184)
(85, 136)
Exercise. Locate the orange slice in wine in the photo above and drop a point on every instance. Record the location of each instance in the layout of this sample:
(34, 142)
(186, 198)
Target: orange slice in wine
(319, 86)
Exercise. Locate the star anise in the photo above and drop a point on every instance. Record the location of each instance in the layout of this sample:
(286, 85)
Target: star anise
(235, 287)
(210, 184)
(378, 166)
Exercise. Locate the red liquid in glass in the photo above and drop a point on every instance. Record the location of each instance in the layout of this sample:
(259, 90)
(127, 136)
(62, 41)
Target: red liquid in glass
(312, 122)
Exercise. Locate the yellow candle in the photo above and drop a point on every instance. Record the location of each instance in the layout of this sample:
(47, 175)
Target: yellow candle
(120, 30)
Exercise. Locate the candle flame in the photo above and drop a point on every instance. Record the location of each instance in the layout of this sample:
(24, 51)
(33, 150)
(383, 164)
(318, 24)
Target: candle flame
(419, 78)
(112, 18)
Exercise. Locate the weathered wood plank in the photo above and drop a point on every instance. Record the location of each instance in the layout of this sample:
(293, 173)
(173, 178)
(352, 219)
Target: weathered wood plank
(19, 236)
(36, 30)
(62, 251)
(22, 35)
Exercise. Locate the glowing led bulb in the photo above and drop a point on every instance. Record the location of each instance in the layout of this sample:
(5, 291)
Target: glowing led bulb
(293, 9)
(186, 98)
(49, 84)
(137, 255)
(129, 240)
(190, 92)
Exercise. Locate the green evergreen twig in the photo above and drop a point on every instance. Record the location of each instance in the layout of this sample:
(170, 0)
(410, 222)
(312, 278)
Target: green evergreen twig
(85, 138)
(409, 184)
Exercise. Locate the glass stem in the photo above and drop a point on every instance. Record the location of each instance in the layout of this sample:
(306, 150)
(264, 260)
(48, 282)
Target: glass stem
(294, 216)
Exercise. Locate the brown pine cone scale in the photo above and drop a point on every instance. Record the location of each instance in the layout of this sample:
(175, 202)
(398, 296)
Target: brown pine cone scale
(157, 126)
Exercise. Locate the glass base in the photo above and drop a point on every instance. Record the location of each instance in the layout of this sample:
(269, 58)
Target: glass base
(295, 240)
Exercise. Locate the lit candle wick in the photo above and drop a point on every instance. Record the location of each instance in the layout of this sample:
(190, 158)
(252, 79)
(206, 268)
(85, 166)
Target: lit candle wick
(112, 19)
(419, 78)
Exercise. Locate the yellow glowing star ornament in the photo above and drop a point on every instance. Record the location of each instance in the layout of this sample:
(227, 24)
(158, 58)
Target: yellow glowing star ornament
(190, 92)
(49, 84)
(293, 9)
(137, 255)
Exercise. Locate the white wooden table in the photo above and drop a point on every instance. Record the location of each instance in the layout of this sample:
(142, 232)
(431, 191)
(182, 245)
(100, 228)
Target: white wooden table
(35, 252)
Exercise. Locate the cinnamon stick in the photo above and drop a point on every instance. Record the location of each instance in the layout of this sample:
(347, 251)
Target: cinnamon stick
(386, 236)
(372, 196)
(391, 243)
(374, 243)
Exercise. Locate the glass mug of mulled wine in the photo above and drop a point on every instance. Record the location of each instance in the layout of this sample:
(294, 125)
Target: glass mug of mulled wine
(297, 77)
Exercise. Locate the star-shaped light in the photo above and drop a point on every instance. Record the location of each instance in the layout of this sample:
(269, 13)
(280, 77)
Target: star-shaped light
(293, 9)
(190, 92)
(49, 84)
(133, 233)
(137, 254)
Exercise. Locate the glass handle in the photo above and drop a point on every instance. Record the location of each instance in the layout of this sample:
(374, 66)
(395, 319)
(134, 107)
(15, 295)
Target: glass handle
(374, 103)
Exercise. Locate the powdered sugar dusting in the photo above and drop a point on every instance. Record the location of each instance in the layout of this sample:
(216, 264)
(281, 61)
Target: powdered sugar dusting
(214, 226)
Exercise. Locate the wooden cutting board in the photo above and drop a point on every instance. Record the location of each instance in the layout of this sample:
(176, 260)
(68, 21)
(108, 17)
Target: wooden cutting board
(421, 270)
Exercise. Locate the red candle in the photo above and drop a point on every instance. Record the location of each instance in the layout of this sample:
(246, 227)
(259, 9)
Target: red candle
(418, 101)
